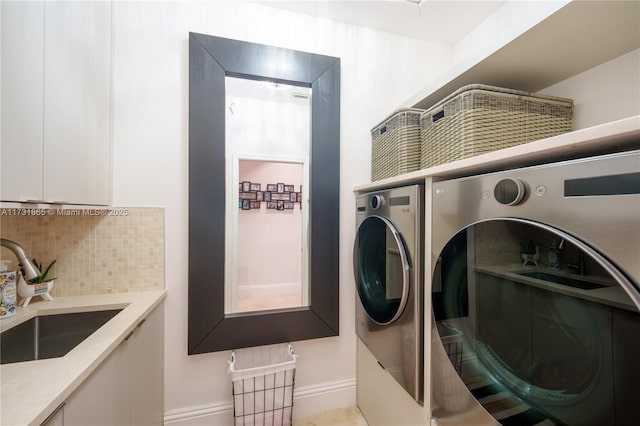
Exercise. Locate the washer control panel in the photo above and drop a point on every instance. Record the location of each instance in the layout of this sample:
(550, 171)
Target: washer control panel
(510, 191)
(376, 201)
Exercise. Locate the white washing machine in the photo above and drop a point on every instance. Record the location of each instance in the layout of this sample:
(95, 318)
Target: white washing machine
(536, 295)
(388, 258)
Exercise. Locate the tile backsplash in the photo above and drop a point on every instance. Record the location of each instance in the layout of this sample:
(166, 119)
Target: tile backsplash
(113, 250)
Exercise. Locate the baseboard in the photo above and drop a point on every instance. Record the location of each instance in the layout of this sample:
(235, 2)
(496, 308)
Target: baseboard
(307, 401)
(210, 415)
(311, 400)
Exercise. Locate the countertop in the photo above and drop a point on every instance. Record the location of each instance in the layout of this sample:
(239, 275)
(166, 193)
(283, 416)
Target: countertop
(32, 390)
(612, 294)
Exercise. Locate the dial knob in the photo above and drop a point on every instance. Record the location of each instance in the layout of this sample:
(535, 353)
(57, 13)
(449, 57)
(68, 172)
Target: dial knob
(510, 191)
(376, 202)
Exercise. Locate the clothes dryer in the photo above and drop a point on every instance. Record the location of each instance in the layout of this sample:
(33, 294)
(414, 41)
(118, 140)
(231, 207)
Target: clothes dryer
(535, 295)
(388, 258)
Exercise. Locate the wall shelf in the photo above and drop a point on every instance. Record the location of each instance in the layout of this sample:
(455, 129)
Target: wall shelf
(616, 136)
(578, 37)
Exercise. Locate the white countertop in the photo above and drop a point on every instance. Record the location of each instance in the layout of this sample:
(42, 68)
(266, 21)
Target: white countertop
(611, 294)
(32, 390)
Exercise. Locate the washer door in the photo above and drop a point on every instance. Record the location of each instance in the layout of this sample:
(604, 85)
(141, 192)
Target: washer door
(536, 326)
(381, 267)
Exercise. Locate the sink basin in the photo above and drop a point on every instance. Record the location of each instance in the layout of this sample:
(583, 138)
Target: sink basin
(556, 279)
(50, 336)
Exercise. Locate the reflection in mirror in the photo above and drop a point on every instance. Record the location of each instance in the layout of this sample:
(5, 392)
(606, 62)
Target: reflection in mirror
(267, 145)
(269, 253)
(532, 314)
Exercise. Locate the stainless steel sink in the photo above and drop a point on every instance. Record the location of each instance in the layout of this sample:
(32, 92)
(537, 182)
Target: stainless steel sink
(50, 336)
(557, 279)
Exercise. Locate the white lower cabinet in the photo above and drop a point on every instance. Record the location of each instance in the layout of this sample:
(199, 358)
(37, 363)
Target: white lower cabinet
(56, 418)
(128, 387)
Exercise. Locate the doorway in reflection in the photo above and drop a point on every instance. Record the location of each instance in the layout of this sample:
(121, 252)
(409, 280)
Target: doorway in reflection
(269, 239)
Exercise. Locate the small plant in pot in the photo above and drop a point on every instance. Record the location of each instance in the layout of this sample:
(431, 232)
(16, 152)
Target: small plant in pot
(44, 276)
(530, 253)
(38, 286)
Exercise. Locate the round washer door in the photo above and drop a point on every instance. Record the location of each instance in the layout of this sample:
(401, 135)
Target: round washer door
(381, 267)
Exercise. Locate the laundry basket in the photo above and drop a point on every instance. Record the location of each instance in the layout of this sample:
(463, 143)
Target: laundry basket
(451, 339)
(262, 385)
(477, 119)
(395, 144)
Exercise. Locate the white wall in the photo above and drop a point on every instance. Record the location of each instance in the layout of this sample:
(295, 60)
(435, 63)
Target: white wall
(150, 133)
(607, 92)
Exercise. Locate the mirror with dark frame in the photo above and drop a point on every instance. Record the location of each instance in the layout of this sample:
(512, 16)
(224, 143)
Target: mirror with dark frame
(211, 60)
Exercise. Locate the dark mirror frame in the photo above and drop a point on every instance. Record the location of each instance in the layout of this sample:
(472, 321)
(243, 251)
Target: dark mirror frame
(211, 59)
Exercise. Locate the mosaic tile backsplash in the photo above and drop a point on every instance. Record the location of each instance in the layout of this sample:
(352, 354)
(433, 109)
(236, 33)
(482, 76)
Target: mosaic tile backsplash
(115, 250)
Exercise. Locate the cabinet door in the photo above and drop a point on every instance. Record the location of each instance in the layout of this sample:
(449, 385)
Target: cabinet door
(22, 100)
(103, 398)
(77, 92)
(128, 387)
(55, 419)
(147, 370)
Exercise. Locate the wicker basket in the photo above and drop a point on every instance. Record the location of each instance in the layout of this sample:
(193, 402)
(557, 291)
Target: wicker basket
(477, 119)
(395, 144)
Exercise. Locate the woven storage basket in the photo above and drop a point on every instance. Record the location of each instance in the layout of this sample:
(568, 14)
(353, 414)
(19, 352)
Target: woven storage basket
(395, 144)
(477, 119)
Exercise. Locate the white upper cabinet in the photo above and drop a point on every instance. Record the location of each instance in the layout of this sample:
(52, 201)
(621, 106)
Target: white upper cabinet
(22, 100)
(56, 109)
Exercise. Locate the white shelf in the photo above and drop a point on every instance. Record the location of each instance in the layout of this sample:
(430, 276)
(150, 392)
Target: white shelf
(616, 136)
(578, 37)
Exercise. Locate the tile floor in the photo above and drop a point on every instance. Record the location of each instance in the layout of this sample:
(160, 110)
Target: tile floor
(350, 416)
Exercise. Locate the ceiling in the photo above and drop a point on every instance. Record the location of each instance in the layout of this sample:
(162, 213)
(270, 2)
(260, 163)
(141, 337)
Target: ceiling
(441, 21)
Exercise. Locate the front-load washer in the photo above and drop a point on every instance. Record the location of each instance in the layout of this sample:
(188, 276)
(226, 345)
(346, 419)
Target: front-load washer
(535, 295)
(388, 258)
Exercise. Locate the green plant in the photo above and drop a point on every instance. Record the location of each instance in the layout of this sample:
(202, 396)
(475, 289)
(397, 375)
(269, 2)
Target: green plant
(43, 278)
(529, 248)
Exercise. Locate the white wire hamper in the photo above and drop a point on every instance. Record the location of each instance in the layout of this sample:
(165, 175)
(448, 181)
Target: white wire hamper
(262, 385)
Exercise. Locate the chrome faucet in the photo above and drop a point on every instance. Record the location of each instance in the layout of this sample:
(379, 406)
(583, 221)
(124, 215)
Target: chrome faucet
(28, 270)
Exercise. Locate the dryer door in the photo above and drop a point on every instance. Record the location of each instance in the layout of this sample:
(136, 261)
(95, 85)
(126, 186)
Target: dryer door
(381, 267)
(535, 325)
